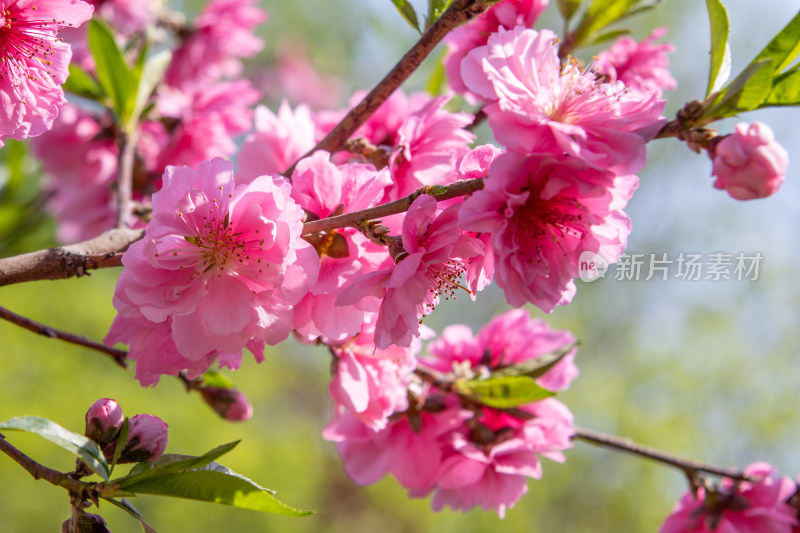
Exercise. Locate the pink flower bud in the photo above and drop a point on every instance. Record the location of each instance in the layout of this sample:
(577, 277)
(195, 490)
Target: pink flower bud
(749, 163)
(85, 523)
(103, 420)
(230, 404)
(147, 439)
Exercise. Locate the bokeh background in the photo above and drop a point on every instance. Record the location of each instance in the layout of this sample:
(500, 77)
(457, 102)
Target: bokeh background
(703, 369)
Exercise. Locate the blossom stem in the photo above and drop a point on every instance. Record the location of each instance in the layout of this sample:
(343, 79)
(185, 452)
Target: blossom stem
(439, 193)
(127, 146)
(691, 468)
(459, 12)
(39, 471)
(119, 356)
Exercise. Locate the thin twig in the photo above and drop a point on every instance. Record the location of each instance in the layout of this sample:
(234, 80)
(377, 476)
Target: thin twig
(127, 147)
(626, 445)
(67, 261)
(459, 12)
(39, 471)
(119, 356)
(460, 188)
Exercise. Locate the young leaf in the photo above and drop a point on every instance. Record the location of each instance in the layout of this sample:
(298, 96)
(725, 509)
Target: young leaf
(784, 47)
(435, 10)
(408, 13)
(81, 83)
(114, 76)
(78, 445)
(600, 14)
(719, 69)
(150, 75)
(435, 85)
(172, 463)
(216, 487)
(536, 367)
(785, 90)
(567, 8)
(213, 378)
(122, 440)
(745, 93)
(131, 510)
(505, 392)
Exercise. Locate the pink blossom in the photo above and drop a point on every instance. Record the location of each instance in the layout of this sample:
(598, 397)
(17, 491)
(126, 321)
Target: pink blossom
(372, 384)
(222, 34)
(127, 16)
(536, 106)
(757, 506)
(323, 189)
(224, 264)
(643, 67)
(277, 141)
(749, 163)
(542, 214)
(147, 439)
(435, 255)
(507, 13)
(508, 340)
(33, 63)
(295, 77)
(104, 420)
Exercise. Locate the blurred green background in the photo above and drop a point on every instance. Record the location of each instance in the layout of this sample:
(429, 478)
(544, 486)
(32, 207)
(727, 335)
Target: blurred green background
(707, 370)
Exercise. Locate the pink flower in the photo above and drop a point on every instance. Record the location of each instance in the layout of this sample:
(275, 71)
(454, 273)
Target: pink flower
(222, 33)
(127, 16)
(323, 189)
(104, 420)
(542, 214)
(749, 163)
(372, 384)
(508, 340)
(33, 63)
(758, 506)
(643, 67)
(230, 404)
(147, 439)
(507, 13)
(536, 106)
(436, 254)
(277, 142)
(224, 264)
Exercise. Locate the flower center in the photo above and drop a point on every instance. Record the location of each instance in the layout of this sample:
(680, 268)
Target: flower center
(26, 46)
(445, 279)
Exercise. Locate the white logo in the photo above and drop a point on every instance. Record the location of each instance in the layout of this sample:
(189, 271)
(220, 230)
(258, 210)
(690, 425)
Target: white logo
(591, 266)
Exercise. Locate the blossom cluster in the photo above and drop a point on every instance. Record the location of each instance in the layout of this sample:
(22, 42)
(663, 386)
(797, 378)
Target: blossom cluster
(147, 434)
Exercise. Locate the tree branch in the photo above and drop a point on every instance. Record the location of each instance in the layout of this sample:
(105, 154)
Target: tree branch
(127, 146)
(39, 471)
(626, 445)
(68, 261)
(119, 356)
(459, 12)
(439, 192)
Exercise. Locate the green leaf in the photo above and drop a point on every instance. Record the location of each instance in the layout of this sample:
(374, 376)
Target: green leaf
(122, 440)
(116, 79)
(408, 13)
(217, 485)
(745, 93)
(784, 47)
(600, 14)
(151, 73)
(131, 510)
(785, 90)
(567, 8)
(504, 392)
(720, 67)
(609, 36)
(212, 378)
(172, 463)
(81, 83)
(87, 450)
(536, 367)
(435, 10)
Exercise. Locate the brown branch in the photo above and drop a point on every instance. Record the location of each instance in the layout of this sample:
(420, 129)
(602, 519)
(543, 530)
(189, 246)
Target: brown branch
(438, 192)
(119, 356)
(39, 471)
(628, 446)
(459, 12)
(67, 261)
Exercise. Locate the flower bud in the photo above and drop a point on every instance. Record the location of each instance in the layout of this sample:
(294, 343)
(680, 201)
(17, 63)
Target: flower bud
(103, 421)
(147, 439)
(85, 523)
(230, 404)
(749, 163)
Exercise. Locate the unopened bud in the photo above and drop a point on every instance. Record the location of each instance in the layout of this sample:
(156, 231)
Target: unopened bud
(147, 439)
(230, 404)
(85, 523)
(103, 421)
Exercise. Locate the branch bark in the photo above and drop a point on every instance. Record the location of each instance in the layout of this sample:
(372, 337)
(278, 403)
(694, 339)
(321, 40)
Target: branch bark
(39, 471)
(459, 12)
(68, 261)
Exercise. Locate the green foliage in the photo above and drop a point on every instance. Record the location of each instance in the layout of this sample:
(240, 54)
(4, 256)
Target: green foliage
(785, 90)
(435, 10)
(82, 83)
(567, 8)
(78, 445)
(504, 392)
(117, 80)
(408, 13)
(126, 506)
(720, 67)
(602, 13)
